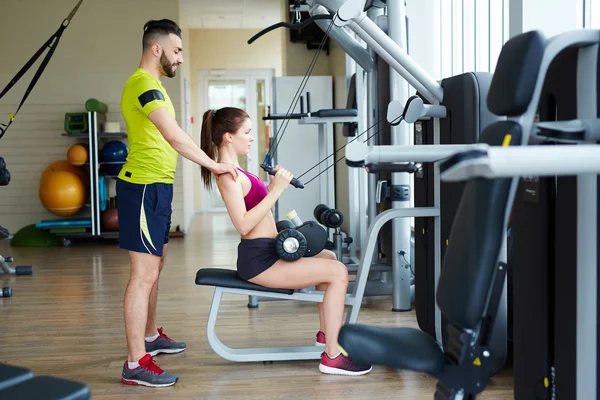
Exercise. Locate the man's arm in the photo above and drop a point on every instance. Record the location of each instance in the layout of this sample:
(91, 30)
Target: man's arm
(179, 139)
(184, 144)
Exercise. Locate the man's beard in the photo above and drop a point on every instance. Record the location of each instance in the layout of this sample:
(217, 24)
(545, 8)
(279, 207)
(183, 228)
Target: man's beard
(167, 66)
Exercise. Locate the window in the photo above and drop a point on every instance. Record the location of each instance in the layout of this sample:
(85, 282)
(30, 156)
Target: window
(472, 34)
(591, 13)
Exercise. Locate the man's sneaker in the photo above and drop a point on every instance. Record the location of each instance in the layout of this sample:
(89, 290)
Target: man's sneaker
(320, 339)
(342, 365)
(164, 344)
(147, 374)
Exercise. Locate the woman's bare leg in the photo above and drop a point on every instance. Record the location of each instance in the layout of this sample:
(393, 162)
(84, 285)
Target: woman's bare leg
(314, 271)
(328, 255)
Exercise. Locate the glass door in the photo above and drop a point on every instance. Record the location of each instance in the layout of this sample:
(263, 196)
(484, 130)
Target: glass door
(250, 92)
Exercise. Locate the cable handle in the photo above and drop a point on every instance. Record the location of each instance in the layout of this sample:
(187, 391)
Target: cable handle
(272, 171)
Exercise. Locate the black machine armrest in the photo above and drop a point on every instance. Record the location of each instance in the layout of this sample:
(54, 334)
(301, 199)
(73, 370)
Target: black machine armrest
(274, 117)
(400, 348)
(335, 112)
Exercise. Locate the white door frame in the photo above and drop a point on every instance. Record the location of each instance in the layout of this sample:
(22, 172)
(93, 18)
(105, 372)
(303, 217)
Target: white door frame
(250, 76)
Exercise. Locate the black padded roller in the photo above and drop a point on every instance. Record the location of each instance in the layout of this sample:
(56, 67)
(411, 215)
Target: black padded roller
(290, 245)
(24, 270)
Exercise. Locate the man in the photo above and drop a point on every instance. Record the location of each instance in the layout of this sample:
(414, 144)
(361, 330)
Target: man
(145, 193)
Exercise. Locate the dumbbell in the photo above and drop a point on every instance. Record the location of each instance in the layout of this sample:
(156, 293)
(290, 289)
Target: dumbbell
(4, 173)
(298, 239)
(329, 217)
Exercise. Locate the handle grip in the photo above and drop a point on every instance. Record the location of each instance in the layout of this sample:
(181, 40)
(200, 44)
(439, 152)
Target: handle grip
(271, 171)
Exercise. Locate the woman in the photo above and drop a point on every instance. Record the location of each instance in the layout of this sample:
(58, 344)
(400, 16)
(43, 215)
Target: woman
(226, 133)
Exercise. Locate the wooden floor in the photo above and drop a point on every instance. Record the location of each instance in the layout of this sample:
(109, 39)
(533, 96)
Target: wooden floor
(66, 320)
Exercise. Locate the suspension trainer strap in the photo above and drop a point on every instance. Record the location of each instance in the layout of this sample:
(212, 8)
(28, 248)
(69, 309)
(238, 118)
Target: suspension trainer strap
(52, 44)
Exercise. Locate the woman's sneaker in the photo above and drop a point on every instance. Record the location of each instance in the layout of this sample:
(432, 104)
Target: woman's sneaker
(147, 374)
(342, 365)
(320, 341)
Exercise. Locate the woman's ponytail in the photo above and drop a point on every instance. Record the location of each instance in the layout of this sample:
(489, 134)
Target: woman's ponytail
(206, 144)
(215, 124)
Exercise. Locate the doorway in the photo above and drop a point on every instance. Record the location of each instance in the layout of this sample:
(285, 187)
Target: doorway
(249, 90)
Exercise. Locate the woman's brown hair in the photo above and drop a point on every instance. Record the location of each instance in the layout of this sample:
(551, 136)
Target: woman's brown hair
(214, 125)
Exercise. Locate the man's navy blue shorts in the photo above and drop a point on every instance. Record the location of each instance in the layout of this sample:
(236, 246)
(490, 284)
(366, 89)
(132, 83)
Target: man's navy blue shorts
(144, 216)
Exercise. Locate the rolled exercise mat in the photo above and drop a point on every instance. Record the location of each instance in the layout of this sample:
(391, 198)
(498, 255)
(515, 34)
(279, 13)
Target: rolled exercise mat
(94, 105)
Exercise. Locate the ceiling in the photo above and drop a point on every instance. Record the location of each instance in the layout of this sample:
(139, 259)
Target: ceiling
(229, 14)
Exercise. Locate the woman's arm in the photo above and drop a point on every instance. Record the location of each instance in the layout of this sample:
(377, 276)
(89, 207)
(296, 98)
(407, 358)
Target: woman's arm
(233, 196)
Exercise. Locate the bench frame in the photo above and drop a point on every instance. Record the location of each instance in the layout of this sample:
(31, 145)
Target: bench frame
(354, 300)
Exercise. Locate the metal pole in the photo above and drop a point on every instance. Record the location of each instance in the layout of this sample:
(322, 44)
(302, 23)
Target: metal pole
(401, 231)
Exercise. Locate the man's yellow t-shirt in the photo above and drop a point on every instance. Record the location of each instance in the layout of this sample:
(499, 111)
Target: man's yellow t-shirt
(151, 159)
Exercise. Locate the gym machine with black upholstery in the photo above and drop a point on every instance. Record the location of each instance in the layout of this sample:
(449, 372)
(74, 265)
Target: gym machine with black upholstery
(475, 255)
(546, 238)
(20, 383)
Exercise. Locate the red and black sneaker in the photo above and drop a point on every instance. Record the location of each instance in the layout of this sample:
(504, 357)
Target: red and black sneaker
(320, 339)
(342, 365)
(147, 374)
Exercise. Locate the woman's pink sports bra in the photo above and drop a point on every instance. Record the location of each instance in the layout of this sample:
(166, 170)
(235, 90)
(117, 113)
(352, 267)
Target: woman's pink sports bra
(258, 191)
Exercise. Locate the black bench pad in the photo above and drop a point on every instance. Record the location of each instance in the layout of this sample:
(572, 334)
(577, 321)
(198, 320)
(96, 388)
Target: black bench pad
(11, 375)
(400, 348)
(228, 278)
(47, 388)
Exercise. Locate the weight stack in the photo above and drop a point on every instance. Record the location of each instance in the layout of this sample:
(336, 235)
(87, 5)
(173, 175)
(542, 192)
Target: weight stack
(467, 116)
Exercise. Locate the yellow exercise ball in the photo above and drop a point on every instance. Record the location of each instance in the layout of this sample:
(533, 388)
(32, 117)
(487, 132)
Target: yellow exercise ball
(62, 193)
(77, 155)
(65, 165)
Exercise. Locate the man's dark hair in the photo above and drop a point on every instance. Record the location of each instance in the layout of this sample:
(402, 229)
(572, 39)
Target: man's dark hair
(154, 29)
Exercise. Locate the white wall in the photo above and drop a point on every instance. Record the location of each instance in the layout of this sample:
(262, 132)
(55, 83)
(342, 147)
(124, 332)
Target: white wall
(97, 53)
(424, 34)
(186, 114)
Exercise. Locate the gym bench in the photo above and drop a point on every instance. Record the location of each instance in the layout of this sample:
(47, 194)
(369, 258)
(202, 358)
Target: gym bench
(20, 383)
(227, 281)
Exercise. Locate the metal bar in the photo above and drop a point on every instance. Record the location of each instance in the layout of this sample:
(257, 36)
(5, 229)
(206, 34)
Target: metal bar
(411, 71)
(367, 258)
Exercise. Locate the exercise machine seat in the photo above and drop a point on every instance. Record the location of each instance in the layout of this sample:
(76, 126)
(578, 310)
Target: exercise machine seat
(47, 388)
(228, 278)
(400, 348)
(11, 375)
